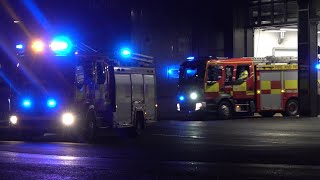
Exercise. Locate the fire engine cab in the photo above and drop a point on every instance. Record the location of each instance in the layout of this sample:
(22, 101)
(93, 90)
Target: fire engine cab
(58, 85)
(239, 86)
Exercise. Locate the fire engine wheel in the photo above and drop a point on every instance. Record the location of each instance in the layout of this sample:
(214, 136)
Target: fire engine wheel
(292, 108)
(139, 122)
(267, 114)
(224, 110)
(91, 127)
(139, 126)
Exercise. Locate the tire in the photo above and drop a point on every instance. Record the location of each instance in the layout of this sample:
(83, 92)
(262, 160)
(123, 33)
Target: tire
(139, 124)
(224, 110)
(196, 116)
(292, 108)
(267, 114)
(91, 127)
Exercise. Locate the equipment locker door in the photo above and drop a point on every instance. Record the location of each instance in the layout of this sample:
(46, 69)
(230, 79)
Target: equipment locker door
(123, 98)
(149, 93)
(137, 87)
(270, 86)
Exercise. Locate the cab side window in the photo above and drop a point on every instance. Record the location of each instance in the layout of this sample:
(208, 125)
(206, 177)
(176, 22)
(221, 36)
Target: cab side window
(229, 73)
(214, 73)
(242, 72)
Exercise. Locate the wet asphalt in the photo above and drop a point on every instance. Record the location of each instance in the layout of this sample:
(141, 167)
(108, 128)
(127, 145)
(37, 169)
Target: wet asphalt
(252, 148)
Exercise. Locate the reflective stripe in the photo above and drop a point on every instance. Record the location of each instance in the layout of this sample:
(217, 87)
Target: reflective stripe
(265, 91)
(265, 85)
(290, 84)
(213, 88)
(275, 91)
(241, 87)
(277, 67)
(291, 91)
(250, 93)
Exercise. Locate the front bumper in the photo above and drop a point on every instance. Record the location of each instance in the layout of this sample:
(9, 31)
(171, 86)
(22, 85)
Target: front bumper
(191, 106)
(39, 123)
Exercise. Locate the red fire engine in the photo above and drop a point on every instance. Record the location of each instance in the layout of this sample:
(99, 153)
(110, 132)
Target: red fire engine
(239, 86)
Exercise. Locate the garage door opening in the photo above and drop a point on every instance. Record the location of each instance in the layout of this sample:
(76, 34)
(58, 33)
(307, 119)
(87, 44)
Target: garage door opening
(272, 41)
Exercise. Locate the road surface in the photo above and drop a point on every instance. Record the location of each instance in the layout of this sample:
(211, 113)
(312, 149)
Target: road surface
(254, 148)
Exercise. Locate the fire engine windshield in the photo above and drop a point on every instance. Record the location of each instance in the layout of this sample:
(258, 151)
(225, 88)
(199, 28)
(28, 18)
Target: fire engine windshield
(45, 74)
(191, 72)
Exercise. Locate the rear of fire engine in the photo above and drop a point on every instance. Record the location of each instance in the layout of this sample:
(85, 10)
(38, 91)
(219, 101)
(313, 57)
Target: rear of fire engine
(57, 88)
(240, 86)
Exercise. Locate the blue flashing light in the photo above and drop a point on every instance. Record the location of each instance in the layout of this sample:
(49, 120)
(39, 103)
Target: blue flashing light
(173, 72)
(189, 71)
(61, 45)
(181, 98)
(51, 103)
(318, 66)
(125, 52)
(26, 103)
(19, 46)
(190, 58)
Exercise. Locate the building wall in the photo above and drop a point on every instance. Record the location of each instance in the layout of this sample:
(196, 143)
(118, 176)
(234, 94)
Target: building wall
(171, 31)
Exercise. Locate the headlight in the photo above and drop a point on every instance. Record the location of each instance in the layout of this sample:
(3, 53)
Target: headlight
(178, 107)
(67, 119)
(193, 96)
(13, 119)
(198, 106)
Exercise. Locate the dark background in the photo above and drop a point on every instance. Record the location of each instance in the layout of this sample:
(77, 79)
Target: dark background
(168, 30)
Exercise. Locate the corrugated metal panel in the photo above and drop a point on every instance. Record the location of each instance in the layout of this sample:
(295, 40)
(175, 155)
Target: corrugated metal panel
(123, 98)
(271, 84)
(149, 94)
(290, 75)
(137, 87)
(271, 102)
(270, 76)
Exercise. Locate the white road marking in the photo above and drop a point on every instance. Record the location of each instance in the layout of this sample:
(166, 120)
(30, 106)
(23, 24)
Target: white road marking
(180, 136)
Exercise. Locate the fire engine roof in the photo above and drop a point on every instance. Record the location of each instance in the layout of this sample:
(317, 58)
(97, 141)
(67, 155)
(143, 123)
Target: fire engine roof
(231, 60)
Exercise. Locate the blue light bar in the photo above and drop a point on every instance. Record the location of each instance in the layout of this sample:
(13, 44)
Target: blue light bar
(61, 45)
(19, 46)
(125, 52)
(190, 58)
(181, 98)
(26, 103)
(51, 103)
(318, 66)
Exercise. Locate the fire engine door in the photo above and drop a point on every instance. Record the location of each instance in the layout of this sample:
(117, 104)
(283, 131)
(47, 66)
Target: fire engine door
(213, 84)
(137, 88)
(240, 82)
(123, 98)
(228, 79)
(101, 88)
